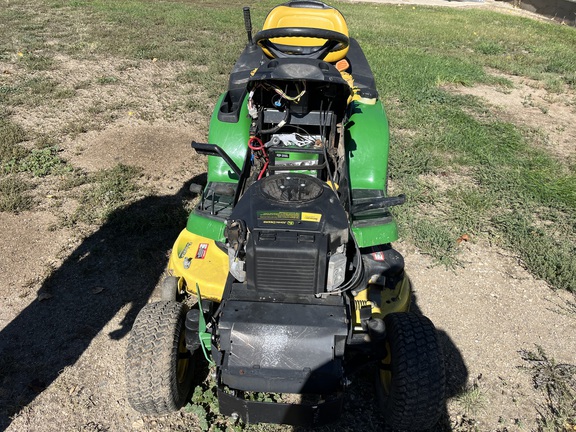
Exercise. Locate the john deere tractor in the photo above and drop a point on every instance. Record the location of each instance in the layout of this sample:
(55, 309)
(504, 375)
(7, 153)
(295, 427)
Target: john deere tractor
(284, 278)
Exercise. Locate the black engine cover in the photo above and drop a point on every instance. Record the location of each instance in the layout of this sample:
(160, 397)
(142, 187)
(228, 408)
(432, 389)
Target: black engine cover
(294, 222)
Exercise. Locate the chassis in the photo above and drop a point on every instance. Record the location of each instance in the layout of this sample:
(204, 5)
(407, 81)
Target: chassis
(289, 249)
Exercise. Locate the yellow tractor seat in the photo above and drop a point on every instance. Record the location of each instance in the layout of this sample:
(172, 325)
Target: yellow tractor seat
(303, 15)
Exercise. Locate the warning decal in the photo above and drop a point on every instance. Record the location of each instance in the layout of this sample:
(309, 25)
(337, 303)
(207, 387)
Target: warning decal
(311, 217)
(201, 252)
(280, 217)
(378, 256)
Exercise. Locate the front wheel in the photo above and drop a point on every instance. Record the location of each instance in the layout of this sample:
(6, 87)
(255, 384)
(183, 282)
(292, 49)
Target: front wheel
(159, 369)
(411, 381)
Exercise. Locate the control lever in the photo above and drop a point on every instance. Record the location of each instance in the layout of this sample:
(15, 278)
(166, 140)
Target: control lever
(248, 25)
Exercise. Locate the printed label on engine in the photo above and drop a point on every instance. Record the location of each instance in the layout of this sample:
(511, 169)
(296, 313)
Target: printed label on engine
(280, 217)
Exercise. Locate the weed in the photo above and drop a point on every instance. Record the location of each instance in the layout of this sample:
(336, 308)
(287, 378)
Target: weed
(111, 189)
(38, 162)
(106, 80)
(554, 84)
(38, 62)
(34, 92)
(10, 135)
(12, 195)
(472, 399)
(490, 48)
(82, 124)
(204, 405)
(44, 141)
(558, 383)
(432, 238)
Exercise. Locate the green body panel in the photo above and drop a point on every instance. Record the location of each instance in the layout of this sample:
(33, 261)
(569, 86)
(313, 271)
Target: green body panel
(233, 139)
(206, 227)
(376, 234)
(367, 142)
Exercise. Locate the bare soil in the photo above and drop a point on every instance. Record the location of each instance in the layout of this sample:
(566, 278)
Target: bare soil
(69, 296)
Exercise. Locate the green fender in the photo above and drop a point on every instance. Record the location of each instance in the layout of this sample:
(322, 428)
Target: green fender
(367, 142)
(233, 138)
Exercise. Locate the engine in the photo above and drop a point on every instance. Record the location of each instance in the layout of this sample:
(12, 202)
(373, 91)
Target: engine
(287, 236)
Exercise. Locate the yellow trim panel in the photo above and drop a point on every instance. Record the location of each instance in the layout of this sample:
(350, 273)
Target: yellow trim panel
(198, 260)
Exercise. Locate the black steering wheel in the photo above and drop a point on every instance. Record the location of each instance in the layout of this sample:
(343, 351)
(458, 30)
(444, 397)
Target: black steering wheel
(335, 41)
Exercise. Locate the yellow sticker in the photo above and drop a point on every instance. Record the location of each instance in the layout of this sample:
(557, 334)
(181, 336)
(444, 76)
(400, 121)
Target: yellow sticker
(311, 217)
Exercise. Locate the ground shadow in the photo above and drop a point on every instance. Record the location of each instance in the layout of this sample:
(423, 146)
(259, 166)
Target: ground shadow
(456, 371)
(118, 265)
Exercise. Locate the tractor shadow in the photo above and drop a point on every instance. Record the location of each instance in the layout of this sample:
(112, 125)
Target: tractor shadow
(119, 265)
(456, 372)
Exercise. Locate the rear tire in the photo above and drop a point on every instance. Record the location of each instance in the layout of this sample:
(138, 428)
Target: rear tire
(411, 387)
(159, 369)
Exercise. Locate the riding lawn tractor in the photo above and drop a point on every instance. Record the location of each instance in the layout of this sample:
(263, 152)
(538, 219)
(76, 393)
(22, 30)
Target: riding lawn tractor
(284, 278)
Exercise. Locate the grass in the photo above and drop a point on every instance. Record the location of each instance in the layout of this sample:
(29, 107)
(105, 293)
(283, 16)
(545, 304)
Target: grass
(513, 193)
(472, 399)
(108, 191)
(512, 187)
(10, 135)
(13, 197)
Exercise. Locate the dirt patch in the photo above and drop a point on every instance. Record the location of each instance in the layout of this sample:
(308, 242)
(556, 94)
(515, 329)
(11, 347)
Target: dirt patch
(487, 311)
(527, 103)
(161, 149)
(83, 95)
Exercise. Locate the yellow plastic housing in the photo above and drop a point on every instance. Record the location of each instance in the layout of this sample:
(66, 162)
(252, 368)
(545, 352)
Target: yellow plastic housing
(198, 260)
(326, 19)
(383, 301)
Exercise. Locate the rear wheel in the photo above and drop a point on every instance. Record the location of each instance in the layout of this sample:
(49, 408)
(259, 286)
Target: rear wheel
(159, 368)
(411, 382)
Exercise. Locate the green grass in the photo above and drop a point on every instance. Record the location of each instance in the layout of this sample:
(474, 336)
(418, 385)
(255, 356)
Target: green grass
(512, 188)
(491, 180)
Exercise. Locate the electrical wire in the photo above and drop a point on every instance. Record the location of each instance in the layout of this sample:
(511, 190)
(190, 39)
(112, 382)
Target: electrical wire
(323, 124)
(358, 271)
(278, 126)
(262, 148)
(283, 94)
